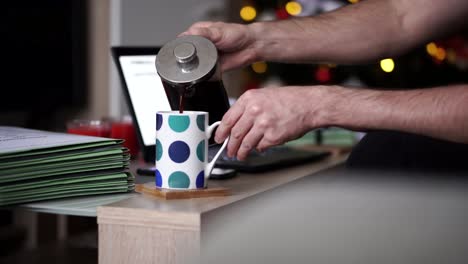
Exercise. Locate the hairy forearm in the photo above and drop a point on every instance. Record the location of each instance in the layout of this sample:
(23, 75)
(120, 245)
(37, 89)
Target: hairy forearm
(357, 33)
(440, 112)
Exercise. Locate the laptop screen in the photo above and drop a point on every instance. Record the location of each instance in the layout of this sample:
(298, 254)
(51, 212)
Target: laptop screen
(146, 92)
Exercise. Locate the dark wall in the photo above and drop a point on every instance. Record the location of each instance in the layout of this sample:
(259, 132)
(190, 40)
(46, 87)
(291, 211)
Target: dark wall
(44, 49)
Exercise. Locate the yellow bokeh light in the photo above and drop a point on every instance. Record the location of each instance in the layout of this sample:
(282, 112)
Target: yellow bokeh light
(293, 8)
(259, 67)
(387, 65)
(440, 54)
(431, 48)
(248, 13)
(353, 1)
(451, 56)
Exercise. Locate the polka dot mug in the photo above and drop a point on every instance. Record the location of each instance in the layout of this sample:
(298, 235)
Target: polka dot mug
(182, 149)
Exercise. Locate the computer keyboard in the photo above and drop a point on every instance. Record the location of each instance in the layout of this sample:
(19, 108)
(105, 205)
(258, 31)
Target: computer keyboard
(272, 158)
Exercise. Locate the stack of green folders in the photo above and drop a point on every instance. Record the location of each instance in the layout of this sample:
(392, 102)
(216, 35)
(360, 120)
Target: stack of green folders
(38, 165)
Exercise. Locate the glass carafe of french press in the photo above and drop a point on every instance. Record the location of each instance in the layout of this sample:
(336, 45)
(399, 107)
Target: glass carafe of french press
(188, 67)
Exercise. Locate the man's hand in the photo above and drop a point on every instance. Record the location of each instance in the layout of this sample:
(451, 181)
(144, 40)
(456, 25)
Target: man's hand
(234, 41)
(270, 116)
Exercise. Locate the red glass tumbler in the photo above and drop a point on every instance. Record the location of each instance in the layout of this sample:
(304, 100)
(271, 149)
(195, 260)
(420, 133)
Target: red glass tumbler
(124, 129)
(95, 128)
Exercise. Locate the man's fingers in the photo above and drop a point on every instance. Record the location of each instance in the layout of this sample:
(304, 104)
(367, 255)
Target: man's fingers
(205, 29)
(202, 24)
(238, 132)
(228, 121)
(200, 31)
(195, 27)
(229, 61)
(250, 141)
(264, 144)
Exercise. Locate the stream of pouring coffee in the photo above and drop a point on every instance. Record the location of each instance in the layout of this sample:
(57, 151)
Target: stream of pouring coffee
(181, 103)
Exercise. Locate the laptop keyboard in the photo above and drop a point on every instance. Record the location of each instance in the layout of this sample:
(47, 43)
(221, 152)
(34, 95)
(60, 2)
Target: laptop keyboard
(212, 150)
(274, 157)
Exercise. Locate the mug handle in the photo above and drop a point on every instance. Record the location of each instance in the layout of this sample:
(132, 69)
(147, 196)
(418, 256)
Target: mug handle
(209, 167)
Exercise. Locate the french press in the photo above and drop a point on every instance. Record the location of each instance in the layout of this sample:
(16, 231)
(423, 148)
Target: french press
(188, 67)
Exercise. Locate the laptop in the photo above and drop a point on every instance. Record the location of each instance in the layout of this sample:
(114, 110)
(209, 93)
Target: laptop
(144, 93)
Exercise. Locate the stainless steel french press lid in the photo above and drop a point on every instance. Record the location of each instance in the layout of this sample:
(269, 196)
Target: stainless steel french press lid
(187, 60)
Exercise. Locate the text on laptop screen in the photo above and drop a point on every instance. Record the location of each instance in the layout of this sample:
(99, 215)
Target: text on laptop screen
(146, 93)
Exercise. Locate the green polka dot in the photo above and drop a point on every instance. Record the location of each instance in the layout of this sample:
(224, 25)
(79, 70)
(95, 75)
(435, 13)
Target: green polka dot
(201, 151)
(179, 123)
(179, 179)
(159, 150)
(201, 122)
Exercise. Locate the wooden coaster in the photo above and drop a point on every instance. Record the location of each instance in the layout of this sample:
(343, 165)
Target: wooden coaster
(150, 189)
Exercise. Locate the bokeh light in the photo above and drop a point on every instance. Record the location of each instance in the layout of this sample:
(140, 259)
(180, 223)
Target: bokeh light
(440, 54)
(323, 74)
(431, 48)
(451, 56)
(282, 13)
(248, 13)
(259, 67)
(387, 65)
(293, 8)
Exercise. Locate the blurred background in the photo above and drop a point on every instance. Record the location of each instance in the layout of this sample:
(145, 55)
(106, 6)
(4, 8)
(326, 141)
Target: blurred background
(56, 54)
(58, 62)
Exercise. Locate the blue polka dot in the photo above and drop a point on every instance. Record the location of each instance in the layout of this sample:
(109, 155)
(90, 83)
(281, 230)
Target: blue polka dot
(179, 179)
(159, 121)
(179, 123)
(179, 151)
(159, 150)
(158, 179)
(201, 151)
(201, 122)
(200, 180)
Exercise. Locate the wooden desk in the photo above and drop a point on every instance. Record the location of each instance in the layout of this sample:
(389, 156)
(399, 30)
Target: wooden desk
(144, 229)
